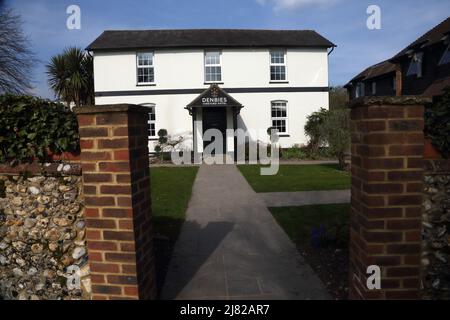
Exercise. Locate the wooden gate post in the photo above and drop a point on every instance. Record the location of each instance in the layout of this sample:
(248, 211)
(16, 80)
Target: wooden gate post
(116, 185)
(387, 179)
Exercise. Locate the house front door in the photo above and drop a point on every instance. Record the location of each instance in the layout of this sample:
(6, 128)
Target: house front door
(215, 118)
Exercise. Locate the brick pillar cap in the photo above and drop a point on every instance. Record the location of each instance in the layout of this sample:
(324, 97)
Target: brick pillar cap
(389, 100)
(108, 108)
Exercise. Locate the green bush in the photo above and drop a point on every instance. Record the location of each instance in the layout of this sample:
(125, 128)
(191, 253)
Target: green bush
(31, 127)
(304, 153)
(437, 123)
(314, 122)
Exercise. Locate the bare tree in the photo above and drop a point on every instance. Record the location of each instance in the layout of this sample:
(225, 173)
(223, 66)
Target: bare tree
(16, 58)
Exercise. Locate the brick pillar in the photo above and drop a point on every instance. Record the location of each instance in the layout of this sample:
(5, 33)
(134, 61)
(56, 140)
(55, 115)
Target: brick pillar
(116, 185)
(387, 154)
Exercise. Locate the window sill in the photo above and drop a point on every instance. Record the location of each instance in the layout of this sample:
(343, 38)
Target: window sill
(152, 139)
(284, 135)
(145, 84)
(283, 81)
(213, 82)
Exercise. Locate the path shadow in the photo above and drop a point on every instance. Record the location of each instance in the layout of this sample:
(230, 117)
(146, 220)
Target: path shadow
(178, 262)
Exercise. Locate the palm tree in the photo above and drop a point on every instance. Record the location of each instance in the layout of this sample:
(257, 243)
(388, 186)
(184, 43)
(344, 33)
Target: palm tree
(70, 75)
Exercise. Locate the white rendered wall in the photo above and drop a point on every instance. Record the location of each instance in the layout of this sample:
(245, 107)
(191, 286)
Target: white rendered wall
(255, 115)
(183, 69)
(243, 68)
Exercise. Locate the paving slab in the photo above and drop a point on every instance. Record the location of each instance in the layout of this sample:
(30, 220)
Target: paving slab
(230, 246)
(293, 199)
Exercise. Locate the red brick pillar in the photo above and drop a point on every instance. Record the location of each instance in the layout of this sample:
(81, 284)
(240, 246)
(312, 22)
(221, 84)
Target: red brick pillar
(387, 154)
(114, 157)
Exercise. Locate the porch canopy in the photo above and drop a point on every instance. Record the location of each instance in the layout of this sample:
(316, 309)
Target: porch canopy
(214, 97)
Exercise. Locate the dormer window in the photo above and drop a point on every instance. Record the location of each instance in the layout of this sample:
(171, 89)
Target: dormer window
(374, 88)
(360, 92)
(445, 57)
(415, 68)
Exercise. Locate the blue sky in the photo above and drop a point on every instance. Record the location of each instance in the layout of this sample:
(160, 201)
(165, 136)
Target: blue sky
(341, 21)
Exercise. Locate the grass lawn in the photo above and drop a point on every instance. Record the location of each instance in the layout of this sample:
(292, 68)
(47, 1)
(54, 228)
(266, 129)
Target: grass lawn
(171, 190)
(321, 233)
(292, 178)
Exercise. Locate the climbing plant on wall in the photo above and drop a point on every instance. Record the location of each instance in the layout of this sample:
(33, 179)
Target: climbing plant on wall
(31, 128)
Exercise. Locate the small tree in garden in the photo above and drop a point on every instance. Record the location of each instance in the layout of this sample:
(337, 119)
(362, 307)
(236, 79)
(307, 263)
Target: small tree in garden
(70, 75)
(336, 131)
(16, 58)
(313, 126)
(338, 97)
(166, 143)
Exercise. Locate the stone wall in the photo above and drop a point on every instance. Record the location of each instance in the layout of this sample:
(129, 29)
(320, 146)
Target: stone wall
(42, 233)
(436, 225)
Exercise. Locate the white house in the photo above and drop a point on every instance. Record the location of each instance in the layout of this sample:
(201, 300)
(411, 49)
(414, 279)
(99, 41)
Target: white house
(262, 79)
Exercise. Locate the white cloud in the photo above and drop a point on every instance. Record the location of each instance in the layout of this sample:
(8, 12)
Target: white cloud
(280, 5)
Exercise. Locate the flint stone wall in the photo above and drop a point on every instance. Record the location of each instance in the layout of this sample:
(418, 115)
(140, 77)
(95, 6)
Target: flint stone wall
(436, 225)
(42, 233)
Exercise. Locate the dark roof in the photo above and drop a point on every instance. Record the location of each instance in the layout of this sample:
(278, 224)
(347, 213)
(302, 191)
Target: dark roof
(375, 71)
(204, 38)
(437, 87)
(433, 36)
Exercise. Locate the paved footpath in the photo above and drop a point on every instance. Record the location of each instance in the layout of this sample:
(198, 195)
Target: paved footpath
(230, 247)
(294, 199)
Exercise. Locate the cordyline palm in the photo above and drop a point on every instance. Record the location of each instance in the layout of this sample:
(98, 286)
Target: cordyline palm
(70, 75)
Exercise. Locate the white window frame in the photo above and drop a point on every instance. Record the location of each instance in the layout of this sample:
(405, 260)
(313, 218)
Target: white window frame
(417, 58)
(150, 121)
(446, 53)
(278, 64)
(374, 88)
(286, 118)
(213, 65)
(151, 66)
(360, 89)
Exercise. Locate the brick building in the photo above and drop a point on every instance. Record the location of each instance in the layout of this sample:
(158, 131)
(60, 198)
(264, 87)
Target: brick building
(422, 68)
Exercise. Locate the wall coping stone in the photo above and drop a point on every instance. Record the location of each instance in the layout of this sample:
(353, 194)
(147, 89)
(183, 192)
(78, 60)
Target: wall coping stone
(109, 108)
(436, 166)
(35, 168)
(388, 100)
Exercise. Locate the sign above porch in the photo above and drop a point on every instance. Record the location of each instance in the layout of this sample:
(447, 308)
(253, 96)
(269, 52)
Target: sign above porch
(213, 97)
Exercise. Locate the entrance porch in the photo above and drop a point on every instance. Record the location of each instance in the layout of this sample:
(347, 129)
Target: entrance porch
(214, 114)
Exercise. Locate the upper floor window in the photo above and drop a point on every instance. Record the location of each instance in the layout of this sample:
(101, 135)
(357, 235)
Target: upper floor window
(374, 88)
(213, 68)
(278, 65)
(360, 92)
(394, 83)
(446, 56)
(145, 68)
(415, 68)
(279, 116)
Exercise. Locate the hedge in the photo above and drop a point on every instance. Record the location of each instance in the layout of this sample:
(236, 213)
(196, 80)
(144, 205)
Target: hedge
(31, 128)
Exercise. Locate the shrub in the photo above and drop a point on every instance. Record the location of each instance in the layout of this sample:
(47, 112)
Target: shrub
(31, 127)
(336, 131)
(166, 144)
(313, 125)
(437, 119)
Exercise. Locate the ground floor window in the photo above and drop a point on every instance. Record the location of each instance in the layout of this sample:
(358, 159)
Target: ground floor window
(151, 120)
(279, 116)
